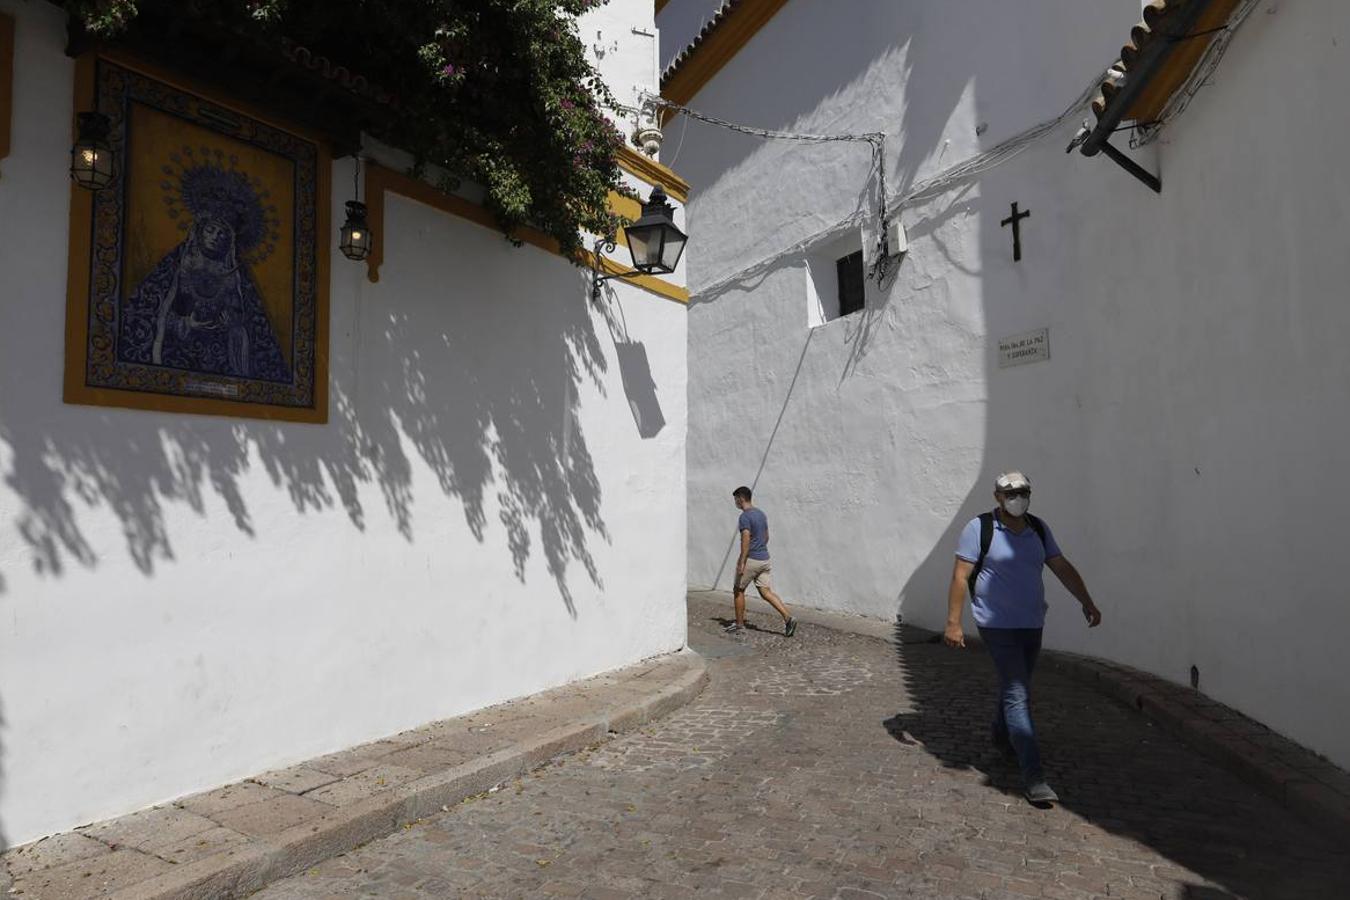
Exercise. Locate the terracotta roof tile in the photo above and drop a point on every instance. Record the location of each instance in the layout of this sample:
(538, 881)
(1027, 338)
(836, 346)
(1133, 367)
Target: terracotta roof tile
(1162, 21)
(323, 66)
(717, 19)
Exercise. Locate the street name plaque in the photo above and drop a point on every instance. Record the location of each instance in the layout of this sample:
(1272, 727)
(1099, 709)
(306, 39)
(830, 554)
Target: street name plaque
(1020, 349)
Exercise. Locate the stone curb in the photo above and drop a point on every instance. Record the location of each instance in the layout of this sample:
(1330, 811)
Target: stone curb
(265, 860)
(1309, 785)
(1301, 780)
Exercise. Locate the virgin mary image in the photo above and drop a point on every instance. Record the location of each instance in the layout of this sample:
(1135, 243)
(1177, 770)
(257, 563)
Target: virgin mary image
(199, 309)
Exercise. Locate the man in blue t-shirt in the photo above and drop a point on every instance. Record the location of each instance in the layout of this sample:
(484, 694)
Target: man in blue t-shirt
(752, 530)
(1008, 600)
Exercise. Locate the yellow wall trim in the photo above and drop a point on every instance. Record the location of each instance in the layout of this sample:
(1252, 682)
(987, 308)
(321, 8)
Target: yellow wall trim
(652, 172)
(717, 49)
(627, 207)
(6, 80)
(381, 180)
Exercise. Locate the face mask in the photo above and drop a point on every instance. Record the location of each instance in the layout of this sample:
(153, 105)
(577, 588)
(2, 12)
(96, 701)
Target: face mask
(1016, 506)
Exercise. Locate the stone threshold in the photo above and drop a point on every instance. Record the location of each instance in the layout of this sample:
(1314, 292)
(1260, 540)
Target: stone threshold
(237, 839)
(1304, 782)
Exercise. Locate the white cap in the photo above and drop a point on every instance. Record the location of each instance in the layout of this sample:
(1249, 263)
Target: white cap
(1011, 481)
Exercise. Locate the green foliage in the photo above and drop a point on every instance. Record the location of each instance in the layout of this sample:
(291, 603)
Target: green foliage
(495, 91)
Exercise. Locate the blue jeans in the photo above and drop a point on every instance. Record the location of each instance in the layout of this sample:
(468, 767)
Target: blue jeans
(1014, 651)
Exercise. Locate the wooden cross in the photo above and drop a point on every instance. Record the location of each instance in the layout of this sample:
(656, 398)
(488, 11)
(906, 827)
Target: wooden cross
(1015, 220)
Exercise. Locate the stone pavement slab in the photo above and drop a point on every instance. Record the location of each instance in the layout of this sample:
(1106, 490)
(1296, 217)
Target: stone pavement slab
(837, 764)
(231, 841)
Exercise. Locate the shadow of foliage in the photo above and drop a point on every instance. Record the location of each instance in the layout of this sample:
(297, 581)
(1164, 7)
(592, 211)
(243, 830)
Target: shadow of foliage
(481, 386)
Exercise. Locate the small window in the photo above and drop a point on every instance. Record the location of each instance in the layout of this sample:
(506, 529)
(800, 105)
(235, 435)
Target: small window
(852, 283)
(836, 278)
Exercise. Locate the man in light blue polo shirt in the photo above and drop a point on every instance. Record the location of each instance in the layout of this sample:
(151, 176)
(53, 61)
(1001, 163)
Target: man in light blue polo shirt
(753, 563)
(1004, 552)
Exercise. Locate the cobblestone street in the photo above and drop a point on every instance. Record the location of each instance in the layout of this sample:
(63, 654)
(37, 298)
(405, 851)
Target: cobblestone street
(834, 765)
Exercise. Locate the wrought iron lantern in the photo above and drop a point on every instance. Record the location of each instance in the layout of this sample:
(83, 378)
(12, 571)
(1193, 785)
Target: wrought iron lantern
(92, 157)
(355, 242)
(653, 241)
(355, 238)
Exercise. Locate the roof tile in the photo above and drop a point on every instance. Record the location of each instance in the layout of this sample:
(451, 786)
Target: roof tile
(714, 22)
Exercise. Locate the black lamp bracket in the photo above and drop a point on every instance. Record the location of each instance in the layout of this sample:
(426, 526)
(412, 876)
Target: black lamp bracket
(605, 244)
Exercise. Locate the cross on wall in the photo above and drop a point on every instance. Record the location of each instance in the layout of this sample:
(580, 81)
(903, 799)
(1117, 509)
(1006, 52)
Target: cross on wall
(1015, 220)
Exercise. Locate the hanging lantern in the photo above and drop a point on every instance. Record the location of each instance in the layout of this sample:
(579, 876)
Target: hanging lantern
(355, 242)
(91, 159)
(653, 240)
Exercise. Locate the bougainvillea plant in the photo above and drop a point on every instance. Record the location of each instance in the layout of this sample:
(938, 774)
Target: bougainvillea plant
(498, 92)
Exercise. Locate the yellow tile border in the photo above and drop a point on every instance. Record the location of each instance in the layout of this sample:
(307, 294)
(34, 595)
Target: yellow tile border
(381, 180)
(75, 390)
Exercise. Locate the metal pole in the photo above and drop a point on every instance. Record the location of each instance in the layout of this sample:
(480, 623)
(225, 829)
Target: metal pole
(1132, 167)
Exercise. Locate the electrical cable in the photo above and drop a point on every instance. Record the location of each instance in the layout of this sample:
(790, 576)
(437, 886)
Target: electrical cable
(876, 139)
(684, 129)
(950, 177)
(931, 187)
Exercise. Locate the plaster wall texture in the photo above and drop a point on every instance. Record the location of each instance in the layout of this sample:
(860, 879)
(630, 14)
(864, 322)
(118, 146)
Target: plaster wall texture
(495, 507)
(1184, 437)
(624, 45)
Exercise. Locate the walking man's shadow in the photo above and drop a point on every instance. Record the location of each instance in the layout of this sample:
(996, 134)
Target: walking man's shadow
(1000, 772)
(724, 622)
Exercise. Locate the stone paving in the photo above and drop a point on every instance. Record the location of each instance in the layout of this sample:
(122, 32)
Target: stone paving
(238, 838)
(838, 765)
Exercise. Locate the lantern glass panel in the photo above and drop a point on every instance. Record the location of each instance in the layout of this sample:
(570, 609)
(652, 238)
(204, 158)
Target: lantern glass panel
(356, 238)
(91, 165)
(644, 243)
(672, 248)
(355, 242)
(92, 158)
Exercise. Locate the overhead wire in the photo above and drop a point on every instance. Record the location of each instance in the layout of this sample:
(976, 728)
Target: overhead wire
(922, 191)
(876, 139)
(965, 171)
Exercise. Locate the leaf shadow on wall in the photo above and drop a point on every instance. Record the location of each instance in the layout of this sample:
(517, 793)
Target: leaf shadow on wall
(483, 385)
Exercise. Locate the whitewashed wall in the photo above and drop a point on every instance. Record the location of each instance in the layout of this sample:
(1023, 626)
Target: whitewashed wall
(495, 507)
(1186, 439)
(624, 46)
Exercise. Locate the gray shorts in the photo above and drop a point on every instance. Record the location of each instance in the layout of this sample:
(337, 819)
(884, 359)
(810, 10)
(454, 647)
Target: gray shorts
(759, 571)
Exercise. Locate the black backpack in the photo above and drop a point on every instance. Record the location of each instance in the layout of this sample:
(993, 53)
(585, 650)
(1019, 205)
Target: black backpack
(987, 538)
